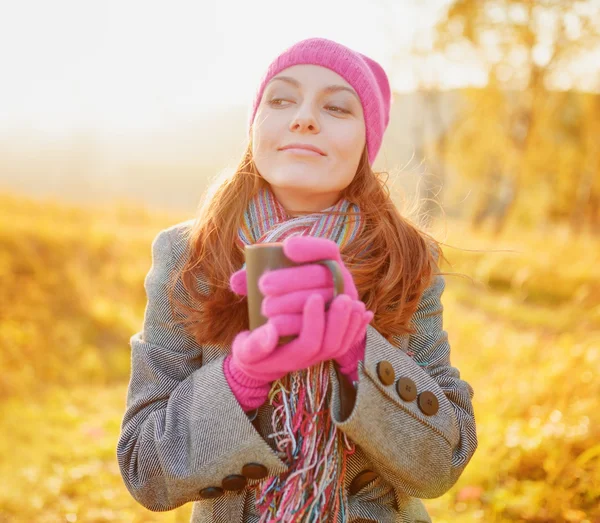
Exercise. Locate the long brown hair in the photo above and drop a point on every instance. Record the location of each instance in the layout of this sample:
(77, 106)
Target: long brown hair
(401, 263)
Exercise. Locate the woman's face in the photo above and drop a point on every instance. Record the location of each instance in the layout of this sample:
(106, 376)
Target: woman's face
(311, 106)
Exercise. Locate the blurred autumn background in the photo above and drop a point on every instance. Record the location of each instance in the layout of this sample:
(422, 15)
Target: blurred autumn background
(114, 118)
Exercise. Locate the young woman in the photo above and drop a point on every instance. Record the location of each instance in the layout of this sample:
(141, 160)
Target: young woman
(362, 413)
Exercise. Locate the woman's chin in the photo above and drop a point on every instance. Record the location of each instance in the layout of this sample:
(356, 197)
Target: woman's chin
(297, 179)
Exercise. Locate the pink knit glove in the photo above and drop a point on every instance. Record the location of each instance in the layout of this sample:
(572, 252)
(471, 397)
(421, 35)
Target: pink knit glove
(249, 392)
(348, 361)
(286, 291)
(256, 360)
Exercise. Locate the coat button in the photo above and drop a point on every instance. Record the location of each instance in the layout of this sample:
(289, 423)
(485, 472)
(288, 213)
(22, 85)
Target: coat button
(428, 403)
(386, 373)
(255, 471)
(211, 492)
(360, 481)
(407, 389)
(234, 482)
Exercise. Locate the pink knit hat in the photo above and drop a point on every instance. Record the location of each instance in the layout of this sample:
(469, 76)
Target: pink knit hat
(365, 75)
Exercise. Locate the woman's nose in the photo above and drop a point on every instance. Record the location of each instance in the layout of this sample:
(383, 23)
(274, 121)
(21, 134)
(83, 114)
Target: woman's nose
(304, 120)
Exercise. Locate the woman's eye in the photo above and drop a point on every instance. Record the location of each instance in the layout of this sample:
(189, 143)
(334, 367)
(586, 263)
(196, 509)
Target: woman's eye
(276, 101)
(279, 102)
(337, 109)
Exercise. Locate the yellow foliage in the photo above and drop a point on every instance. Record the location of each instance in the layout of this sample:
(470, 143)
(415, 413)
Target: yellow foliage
(524, 327)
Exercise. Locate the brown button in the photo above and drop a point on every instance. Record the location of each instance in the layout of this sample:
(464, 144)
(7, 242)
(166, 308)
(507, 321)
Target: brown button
(360, 481)
(386, 373)
(407, 389)
(428, 403)
(234, 482)
(255, 471)
(211, 492)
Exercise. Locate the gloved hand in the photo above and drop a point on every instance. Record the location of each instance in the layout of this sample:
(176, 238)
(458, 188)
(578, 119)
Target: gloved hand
(286, 291)
(256, 359)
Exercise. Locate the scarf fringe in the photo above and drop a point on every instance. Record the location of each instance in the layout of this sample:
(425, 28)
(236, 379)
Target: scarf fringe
(313, 489)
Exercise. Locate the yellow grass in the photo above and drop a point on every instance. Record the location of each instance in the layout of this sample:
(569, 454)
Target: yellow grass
(524, 326)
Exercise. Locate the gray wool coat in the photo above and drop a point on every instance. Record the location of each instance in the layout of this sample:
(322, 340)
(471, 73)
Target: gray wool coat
(183, 432)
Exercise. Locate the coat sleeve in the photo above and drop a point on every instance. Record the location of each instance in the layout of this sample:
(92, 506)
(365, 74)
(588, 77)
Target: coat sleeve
(183, 430)
(421, 454)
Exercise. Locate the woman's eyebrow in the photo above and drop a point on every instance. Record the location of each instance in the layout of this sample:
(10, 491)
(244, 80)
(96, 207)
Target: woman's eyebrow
(327, 89)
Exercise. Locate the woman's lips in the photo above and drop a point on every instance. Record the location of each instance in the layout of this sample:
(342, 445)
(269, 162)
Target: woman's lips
(301, 152)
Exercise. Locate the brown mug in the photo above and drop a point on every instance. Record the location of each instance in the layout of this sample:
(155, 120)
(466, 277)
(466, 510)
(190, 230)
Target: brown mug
(262, 257)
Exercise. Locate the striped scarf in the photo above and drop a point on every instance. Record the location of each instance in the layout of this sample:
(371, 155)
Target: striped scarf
(265, 220)
(316, 452)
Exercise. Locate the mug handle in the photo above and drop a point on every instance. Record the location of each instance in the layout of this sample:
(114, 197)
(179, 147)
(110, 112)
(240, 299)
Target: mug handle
(338, 277)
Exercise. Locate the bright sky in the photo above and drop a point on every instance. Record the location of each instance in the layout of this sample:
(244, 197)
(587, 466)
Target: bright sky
(126, 65)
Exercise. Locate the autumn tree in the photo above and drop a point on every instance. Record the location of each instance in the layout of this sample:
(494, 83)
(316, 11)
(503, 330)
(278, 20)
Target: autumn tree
(529, 132)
